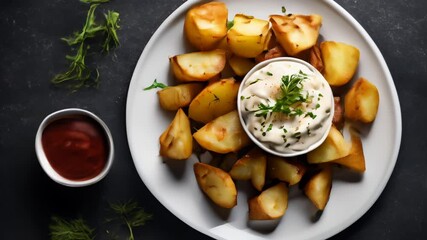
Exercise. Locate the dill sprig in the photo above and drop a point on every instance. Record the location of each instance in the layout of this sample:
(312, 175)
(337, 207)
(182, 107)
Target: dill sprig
(76, 229)
(290, 96)
(78, 73)
(129, 214)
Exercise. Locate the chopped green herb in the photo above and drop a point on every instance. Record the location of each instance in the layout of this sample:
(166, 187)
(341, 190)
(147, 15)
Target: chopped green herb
(155, 85)
(253, 82)
(242, 98)
(291, 95)
(297, 135)
(317, 106)
(230, 24)
(270, 127)
(283, 9)
(269, 73)
(310, 114)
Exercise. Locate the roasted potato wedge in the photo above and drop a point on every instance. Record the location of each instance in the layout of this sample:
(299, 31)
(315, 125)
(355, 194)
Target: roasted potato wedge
(272, 203)
(205, 25)
(215, 100)
(285, 169)
(176, 142)
(252, 167)
(176, 97)
(340, 62)
(334, 147)
(248, 36)
(296, 33)
(240, 65)
(361, 101)
(223, 134)
(315, 58)
(198, 66)
(356, 159)
(216, 184)
(318, 188)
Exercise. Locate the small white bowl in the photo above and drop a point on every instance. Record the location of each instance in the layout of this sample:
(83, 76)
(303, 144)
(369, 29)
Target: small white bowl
(258, 142)
(44, 161)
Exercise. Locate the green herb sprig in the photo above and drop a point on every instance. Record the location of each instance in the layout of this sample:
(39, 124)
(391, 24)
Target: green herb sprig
(79, 74)
(77, 229)
(154, 85)
(129, 214)
(290, 96)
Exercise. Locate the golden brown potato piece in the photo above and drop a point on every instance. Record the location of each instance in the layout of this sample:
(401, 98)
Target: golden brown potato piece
(248, 36)
(274, 52)
(240, 65)
(216, 184)
(334, 147)
(296, 33)
(340, 62)
(285, 169)
(215, 100)
(198, 66)
(176, 97)
(361, 101)
(272, 203)
(315, 58)
(356, 159)
(176, 142)
(252, 167)
(223, 134)
(338, 119)
(205, 25)
(318, 187)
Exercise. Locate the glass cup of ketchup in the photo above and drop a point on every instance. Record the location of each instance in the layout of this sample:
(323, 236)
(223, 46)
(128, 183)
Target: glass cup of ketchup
(74, 147)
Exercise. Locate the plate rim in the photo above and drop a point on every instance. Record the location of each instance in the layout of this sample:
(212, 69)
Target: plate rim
(391, 88)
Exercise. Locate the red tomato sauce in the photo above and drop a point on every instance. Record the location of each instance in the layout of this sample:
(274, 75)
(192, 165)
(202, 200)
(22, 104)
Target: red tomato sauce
(76, 147)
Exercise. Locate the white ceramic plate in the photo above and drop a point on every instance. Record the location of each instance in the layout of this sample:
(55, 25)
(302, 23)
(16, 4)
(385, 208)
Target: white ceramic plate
(174, 184)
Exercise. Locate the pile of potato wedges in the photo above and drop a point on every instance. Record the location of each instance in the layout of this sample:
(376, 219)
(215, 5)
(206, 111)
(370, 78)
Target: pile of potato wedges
(205, 101)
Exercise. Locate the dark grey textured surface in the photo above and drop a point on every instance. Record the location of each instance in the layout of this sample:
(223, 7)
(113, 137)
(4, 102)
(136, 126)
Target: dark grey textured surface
(30, 54)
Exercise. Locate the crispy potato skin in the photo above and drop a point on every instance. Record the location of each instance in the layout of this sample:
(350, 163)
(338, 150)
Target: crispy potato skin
(272, 203)
(223, 134)
(198, 66)
(318, 187)
(179, 96)
(340, 62)
(249, 36)
(206, 25)
(218, 98)
(251, 166)
(362, 101)
(285, 169)
(296, 33)
(216, 184)
(356, 159)
(176, 141)
(334, 147)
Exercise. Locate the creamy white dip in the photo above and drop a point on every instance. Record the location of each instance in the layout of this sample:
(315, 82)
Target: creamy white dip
(286, 132)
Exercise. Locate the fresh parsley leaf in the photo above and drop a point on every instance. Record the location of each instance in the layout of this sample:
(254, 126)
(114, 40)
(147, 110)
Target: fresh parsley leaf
(155, 85)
